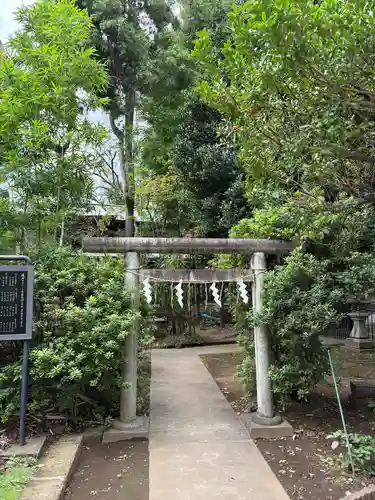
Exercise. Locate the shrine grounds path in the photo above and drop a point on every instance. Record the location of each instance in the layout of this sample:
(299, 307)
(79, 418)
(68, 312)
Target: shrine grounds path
(199, 449)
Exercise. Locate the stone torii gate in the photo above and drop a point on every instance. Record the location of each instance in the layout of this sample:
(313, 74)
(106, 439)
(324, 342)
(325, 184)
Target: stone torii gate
(131, 247)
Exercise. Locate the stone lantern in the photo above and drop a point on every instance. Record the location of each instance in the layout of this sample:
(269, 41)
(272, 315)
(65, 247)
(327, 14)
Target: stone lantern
(359, 336)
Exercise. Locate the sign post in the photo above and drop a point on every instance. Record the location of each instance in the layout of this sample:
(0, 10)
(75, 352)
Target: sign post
(16, 316)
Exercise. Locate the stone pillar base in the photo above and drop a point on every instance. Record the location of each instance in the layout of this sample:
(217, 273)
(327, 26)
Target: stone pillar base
(264, 431)
(260, 419)
(138, 429)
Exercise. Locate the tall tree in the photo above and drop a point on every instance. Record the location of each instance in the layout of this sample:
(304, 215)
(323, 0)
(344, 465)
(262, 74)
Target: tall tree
(48, 79)
(295, 83)
(126, 36)
(209, 170)
(301, 106)
(182, 143)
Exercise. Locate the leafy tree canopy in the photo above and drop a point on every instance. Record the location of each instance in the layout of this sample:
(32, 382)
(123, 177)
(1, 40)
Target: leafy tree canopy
(48, 80)
(297, 94)
(182, 139)
(294, 83)
(127, 36)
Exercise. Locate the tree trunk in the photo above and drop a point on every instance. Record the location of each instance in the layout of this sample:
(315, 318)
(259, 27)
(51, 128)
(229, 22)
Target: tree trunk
(129, 166)
(125, 138)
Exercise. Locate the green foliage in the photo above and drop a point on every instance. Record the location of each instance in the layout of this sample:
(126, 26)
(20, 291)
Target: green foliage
(356, 279)
(210, 14)
(362, 449)
(129, 49)
(294, 219)
(303, 297)
(296, 101)
(246, 369)
(299, 304)
(16, 473)
(128, 37)
(202, 179)
(48, 79)
(245, 338)
(82, 318)
(299, 107)
(8, 221)
(181, 141)
(208, 170)
(342, 226)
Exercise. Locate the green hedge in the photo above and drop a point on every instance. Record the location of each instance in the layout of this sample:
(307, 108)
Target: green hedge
(82, 316)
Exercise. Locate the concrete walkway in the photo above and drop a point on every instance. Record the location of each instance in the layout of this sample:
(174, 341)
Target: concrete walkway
(199, 449)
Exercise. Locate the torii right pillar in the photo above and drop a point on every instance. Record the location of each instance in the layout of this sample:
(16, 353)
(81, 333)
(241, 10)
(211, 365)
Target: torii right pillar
(265, 423)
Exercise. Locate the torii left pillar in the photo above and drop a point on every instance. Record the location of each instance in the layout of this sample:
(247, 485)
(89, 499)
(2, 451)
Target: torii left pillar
(129, 425)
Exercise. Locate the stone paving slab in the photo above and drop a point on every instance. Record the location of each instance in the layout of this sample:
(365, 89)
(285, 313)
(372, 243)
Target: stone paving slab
(199, 448)
(230, 470)
(198, 430)
(33, 447)
(57, 467)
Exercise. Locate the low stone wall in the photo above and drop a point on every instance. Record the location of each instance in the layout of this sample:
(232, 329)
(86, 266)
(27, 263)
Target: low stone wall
(365, 494)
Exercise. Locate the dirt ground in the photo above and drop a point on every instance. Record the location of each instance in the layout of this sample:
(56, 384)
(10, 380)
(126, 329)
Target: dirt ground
(202, 336)
(299, 462)
(112, 472)
(217, 335)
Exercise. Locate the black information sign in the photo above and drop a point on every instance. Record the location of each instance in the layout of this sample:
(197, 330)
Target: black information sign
(16, 317)
(16, 289)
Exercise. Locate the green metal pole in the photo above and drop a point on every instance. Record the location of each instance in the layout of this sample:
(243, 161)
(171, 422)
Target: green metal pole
(341, 411)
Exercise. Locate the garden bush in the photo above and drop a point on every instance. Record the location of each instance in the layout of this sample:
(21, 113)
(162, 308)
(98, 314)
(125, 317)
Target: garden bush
(302, 298)
(82, 316)
(299, 304)
(244, 330)
(312, 288)
(362, 451)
